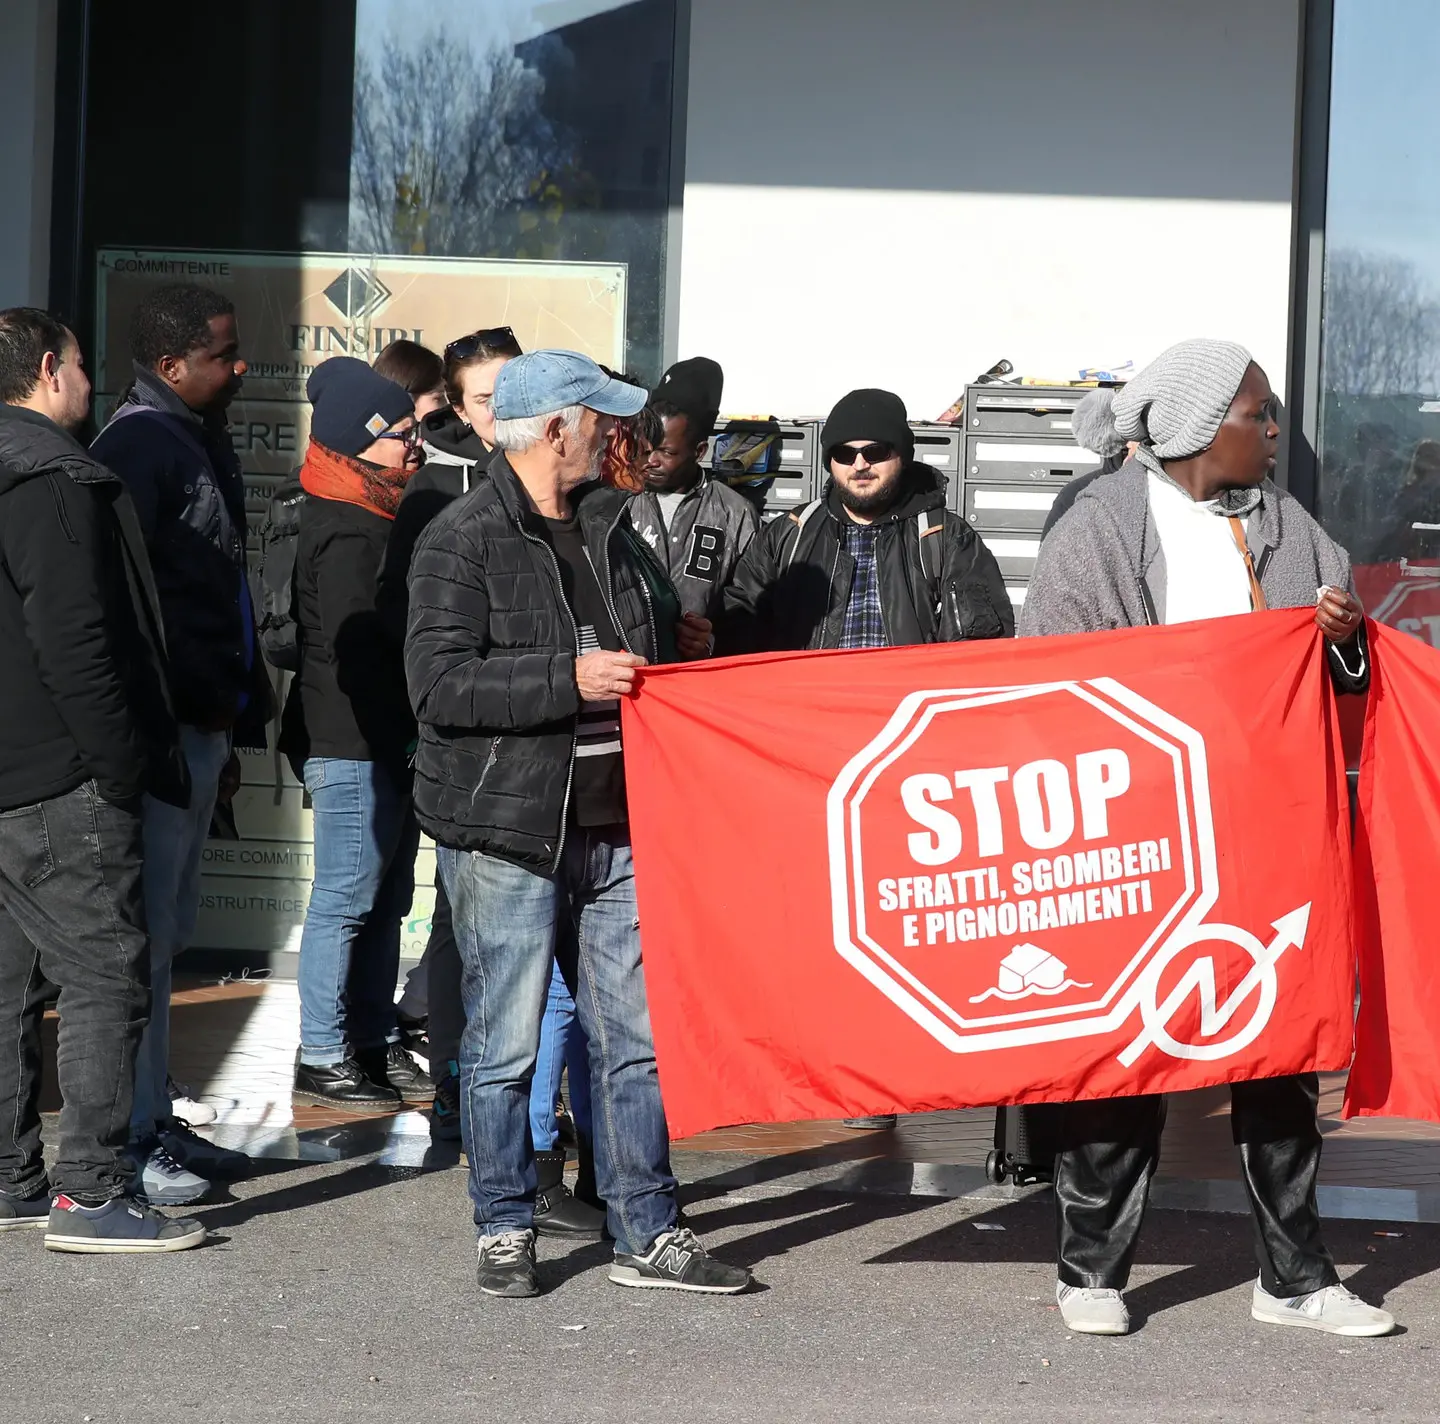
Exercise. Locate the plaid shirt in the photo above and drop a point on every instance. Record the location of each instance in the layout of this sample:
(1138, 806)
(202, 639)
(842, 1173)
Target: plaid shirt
(864, 625)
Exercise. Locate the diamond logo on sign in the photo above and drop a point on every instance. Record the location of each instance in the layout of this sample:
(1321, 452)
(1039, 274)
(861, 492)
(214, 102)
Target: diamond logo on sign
(356, 294)
(1039, 890)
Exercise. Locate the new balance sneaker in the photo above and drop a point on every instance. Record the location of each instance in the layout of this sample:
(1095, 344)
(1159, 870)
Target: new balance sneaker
(392, 1065)
(187, 1107)
(1092, 1311)
(445, 1106)
(117, 1227)
(201, 1156)
(677, 1261)
(162, 1181)
(507, 1265)
(18, 1213)
(1334, 1310)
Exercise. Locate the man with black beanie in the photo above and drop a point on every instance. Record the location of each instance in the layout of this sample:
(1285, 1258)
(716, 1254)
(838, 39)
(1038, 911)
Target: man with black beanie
(699, 527)
(876, 562)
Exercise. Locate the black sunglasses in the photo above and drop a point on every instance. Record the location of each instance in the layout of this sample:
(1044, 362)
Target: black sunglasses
(874, 454)
(490, 337)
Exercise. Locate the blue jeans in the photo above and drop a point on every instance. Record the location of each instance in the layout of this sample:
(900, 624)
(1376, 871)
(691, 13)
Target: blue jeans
(365, 843)
(562, 1046)
(506, 922)
(174, 843)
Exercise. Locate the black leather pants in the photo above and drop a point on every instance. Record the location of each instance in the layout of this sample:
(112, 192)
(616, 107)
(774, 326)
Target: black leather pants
(1102, 1179)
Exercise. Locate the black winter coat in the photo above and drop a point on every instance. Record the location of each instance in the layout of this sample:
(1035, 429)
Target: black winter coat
(490, 660)
(792, 586)
(184, 476)
(348, 698)
(83, 691)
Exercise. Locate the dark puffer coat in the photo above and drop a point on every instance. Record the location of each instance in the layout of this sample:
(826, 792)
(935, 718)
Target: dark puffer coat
(490, 661)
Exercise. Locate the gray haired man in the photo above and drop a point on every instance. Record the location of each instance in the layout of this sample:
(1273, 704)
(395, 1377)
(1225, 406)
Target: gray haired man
(532, 603)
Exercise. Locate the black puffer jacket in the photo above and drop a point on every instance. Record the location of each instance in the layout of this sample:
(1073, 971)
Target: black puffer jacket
(83, 692)
(792, 586)
(455, 457)
(490, 661)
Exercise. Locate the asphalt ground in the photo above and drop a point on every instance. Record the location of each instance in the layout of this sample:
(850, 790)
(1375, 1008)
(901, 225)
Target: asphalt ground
(345, 1290)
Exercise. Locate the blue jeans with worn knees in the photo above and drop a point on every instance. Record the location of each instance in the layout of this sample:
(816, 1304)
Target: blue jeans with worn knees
(174, 844)
(562, 1046)
(506, 917)
(365, 843)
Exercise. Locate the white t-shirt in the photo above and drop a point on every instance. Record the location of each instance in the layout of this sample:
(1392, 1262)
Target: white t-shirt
(1204, 570)
(669, 502)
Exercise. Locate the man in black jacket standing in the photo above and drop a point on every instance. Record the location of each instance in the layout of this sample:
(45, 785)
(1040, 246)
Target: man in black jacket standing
(86, 729)
(532, 603)
(876, 562)
(168, 442)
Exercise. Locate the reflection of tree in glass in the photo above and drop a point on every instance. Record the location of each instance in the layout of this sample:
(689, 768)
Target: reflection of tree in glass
(450, 150)
(1382, 326)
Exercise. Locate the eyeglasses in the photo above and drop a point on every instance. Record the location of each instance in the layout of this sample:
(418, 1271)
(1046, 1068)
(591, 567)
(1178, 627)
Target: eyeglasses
(491, 338)
(874, 454)
(410, 438)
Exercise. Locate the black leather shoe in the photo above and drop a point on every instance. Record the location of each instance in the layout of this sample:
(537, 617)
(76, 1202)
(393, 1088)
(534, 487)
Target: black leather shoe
(393, 1065)
(557, 1211)
(344, 1087)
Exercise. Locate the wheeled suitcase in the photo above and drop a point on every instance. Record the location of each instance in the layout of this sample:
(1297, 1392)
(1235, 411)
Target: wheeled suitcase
(1026, 1141)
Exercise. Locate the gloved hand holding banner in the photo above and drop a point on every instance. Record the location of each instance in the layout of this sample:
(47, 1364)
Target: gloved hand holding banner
(992, 872)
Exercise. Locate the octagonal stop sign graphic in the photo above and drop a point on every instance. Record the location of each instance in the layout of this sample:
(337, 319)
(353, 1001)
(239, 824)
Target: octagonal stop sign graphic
(1005, 863)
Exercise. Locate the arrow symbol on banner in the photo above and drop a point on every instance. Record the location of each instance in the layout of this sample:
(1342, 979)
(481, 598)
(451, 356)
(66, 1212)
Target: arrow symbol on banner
(1200, 977)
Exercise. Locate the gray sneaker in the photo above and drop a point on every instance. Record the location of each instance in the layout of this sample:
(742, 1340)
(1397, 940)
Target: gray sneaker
(20, 1213)
(119, 1227)
(1092, 1311)
(162, 1181)
(1334, 1310)
(506, 1265)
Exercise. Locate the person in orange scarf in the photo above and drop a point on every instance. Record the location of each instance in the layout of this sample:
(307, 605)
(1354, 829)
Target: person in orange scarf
(347, 731)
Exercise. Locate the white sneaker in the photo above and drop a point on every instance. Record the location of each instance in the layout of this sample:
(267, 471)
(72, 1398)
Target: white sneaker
(1334, 1310)
(187, 1107)
(162, 1181)
(1092, 1311)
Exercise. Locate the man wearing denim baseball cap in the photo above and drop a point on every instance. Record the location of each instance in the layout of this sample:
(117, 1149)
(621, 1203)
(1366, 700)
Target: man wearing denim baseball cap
(532, 603)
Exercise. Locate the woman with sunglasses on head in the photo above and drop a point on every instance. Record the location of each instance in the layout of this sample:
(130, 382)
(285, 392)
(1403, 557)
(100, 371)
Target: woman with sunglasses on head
(347, 731)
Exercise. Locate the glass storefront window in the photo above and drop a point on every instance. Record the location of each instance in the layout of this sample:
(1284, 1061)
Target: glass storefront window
(1379, 479)
(349, 173)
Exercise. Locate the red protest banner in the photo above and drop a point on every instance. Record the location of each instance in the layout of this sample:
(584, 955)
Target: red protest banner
(993, 872)
(1397, 851)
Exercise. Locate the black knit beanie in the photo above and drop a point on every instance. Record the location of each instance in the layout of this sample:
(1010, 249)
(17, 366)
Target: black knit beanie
(353, 405)
(868, 415)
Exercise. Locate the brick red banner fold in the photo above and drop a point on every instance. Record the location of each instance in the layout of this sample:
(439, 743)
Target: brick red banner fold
(952, 876)
(1397, 880)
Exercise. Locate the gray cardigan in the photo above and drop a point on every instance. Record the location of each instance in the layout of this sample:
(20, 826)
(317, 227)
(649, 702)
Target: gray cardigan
(1102, 567)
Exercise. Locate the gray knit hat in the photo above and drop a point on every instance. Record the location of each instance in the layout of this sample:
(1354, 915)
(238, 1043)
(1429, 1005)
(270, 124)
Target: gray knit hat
(1176, 404)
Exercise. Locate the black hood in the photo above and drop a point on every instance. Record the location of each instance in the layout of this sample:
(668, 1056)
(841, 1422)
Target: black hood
(451, 438)
(922, 488)
(32, 444)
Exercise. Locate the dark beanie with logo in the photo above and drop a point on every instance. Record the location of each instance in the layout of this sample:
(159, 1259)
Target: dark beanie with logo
(868, 415)
(353, 405)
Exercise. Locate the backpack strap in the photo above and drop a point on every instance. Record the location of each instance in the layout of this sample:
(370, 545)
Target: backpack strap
(801, 517)
(927, 527)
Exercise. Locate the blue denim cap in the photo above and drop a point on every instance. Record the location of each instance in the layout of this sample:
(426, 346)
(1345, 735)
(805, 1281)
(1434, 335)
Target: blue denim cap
(542, 382)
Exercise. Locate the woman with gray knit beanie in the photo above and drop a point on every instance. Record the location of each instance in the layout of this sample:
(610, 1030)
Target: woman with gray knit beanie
(1192, 526)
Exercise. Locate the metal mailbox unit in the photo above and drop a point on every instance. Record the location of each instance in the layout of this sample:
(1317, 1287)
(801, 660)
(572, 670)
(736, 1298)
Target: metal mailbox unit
(1018, 454)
